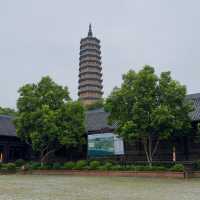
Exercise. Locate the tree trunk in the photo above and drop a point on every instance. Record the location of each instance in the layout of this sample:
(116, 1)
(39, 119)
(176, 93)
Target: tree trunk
(149, 149)
(146, 151)
(45, 156)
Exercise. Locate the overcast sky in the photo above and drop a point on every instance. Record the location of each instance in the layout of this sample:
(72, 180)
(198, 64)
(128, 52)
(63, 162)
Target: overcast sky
(42, 37)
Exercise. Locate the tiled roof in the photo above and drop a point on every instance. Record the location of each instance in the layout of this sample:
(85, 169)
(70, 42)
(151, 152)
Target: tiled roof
(7, 127)
(195, 115)
(97, 120)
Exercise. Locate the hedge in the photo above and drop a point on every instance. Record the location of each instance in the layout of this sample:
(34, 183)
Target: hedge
(91, 165)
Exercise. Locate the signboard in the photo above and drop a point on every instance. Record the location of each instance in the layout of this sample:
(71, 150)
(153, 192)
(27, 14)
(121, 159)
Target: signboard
(105, 144)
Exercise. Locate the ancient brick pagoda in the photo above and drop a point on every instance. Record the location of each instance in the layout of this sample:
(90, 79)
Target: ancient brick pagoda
(90, 70)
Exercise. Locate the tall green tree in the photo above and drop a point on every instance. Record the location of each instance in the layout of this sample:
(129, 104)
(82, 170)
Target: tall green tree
(149, 108)
(48, 119)
(96, 105)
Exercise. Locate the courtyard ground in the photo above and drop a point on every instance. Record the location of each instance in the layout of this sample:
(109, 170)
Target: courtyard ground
(33, 187)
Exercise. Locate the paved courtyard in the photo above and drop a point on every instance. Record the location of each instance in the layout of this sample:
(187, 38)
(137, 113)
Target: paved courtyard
(19, 187)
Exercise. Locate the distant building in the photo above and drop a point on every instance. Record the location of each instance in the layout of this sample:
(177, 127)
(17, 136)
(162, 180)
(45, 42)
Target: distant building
(11, 147)
(102, 142)
(90, 70)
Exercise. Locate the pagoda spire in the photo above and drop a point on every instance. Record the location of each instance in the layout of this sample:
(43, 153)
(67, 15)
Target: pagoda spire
(90, 87)
(90, 30)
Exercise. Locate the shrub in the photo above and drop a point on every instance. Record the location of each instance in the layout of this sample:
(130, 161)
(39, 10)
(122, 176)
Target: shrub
(158, 168)
(45, 166)
(94, 165)
(142, 168)
(106, 166)
(35, 165)
(20, 162)
(149, 168)
(69, 165)
(177, 168)
(10, 166)
(57, 166)
(128, 167)
(197, 165)
(166, 165)
(102, 168)
(117, 167)
(80, 164)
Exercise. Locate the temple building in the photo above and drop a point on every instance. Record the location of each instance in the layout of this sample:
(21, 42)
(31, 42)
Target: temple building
(11, 147)
(90, 70)
(102, 140)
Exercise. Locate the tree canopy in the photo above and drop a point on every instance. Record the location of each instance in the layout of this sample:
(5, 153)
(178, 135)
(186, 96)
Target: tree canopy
(149, 108)
(47, 118)
(97, 104)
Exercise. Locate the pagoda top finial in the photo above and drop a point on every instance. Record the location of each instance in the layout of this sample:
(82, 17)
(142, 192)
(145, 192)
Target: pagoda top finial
(90, 30)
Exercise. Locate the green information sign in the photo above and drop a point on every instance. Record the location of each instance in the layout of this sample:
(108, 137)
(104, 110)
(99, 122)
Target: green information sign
(104, 144)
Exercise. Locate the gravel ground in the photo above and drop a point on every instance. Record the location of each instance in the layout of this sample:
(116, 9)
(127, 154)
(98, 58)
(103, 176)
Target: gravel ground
(32, 187)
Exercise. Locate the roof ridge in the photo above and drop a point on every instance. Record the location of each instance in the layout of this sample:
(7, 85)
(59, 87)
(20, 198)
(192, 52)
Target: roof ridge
(6, 116)
(95, 110)
(194, 95)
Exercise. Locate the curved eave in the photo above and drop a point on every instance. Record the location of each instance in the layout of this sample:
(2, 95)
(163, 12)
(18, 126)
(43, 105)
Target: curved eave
(90, 98)
(90, 85)
(95, 79)
(89, 49)
(90, 38)
(82, 56)
(89, 60)
(90, 72)
(90, 66)
(90, 91)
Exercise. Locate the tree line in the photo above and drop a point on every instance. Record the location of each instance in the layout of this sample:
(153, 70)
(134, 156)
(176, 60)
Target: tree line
(146, 106)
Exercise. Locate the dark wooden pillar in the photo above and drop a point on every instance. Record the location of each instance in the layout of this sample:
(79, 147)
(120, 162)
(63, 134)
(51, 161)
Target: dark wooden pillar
(186, 147)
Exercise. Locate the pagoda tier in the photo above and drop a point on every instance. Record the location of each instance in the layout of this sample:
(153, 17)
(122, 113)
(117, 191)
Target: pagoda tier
(90, 70)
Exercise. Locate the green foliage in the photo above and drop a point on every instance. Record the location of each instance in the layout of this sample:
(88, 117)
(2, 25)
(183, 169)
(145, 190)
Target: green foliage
(117, 167)
(47, 119)
(57, 166)
(8, 111)
(46, 166)
(141, 168)
(97, 104)
(35, 165)
(20, 162)
(198, 128)
(177, 168)
(197, 165)
(149, 108)
(9, 166)
(102, 168)
(150, 168)
(69, 165)
(106, 166)
(80, 164)
(94, 165)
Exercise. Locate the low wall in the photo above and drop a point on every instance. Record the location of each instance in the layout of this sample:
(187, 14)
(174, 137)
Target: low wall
(108, 173)
(196, 174)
